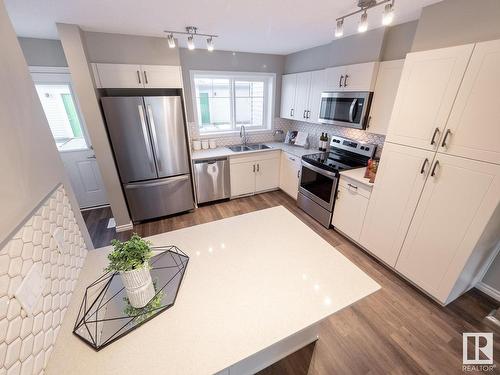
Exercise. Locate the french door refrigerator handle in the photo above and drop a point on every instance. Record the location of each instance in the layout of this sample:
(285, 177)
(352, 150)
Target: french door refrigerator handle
(146, 140)
(155, 139)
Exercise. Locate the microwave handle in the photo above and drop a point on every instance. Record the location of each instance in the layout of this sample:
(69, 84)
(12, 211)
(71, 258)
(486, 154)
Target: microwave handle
(351, 110)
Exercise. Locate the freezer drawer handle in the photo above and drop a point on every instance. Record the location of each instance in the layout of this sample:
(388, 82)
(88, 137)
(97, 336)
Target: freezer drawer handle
(139, 77)
(169, 180)
(155, 139)
(146, 140)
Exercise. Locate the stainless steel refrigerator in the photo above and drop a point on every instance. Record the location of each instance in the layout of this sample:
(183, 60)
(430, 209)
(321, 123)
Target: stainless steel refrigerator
(148, 138)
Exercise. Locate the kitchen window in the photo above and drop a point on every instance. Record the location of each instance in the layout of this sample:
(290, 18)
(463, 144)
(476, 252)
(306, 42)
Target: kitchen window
(225, 101)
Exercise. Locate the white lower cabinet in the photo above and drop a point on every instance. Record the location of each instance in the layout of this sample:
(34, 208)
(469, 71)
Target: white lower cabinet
(290, 174)
(400, 179)
(253, 173)
(350, 207)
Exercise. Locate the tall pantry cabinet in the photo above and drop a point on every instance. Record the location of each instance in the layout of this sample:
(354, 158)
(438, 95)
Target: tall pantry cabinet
(434, 213)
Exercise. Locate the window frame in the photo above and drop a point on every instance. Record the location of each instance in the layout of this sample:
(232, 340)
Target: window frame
(268, 103)
(61, 75)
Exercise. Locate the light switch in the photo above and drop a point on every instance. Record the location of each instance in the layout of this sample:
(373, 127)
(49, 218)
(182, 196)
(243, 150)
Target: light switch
(31, 288)
(59, 238)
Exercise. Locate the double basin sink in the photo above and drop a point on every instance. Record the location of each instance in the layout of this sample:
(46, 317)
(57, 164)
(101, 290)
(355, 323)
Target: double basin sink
(251, 147)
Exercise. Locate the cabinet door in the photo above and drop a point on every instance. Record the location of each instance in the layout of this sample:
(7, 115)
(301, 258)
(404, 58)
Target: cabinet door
(399, 182)
(242, 178)
(456, 205)
(120, 76)
(317, 88)
(349, 212)
(360, 77)
(288, 89)
(162, 76)
(389, 74)
(428, 87)
(267, 175)
(474, 124)
(302, 96)
(335, 78)
(289, 174)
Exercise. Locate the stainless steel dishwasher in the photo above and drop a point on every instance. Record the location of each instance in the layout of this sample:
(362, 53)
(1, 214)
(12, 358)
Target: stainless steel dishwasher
(212, 179)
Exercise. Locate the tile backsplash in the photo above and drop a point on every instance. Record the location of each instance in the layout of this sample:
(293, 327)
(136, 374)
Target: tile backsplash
(26, 342)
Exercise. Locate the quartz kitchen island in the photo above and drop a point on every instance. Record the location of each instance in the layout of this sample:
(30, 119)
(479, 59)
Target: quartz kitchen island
(255, 289)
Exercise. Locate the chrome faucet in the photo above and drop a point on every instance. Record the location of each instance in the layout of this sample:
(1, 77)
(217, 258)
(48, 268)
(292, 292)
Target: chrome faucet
(243, 135)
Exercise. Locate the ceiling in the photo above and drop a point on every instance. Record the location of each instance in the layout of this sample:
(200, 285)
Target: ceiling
(265, 26)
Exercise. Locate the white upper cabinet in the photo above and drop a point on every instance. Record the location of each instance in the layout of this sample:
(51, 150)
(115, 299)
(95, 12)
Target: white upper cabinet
(118, 76)
(161, 76)
(288, 90)
(302, 95)
(400, 179)
(428, 87)
(456, 206)
(473, 129)
(356, 77)
(137, 76)
(317, 88)
(386, 87)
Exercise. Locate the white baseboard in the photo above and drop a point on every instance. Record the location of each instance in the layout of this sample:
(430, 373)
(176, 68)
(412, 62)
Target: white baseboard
(492, 292)
(124, 227)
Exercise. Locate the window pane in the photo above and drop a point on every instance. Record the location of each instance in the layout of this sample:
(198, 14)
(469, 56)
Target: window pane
(213, 99)
(62, 116)
(249, 103)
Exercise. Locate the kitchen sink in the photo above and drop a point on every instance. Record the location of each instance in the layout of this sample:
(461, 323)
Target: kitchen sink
(258, 147)
(239, 148)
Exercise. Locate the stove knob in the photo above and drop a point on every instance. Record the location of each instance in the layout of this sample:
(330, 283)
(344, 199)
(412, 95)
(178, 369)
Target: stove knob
(362, 147)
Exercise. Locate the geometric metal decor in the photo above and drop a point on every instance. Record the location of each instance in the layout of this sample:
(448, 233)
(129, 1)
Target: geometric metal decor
(105, 313)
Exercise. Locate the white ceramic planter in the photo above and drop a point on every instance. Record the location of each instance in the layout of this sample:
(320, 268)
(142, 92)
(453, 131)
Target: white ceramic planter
(139, 286)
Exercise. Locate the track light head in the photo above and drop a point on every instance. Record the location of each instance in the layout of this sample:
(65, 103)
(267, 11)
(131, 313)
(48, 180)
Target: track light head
(339, 30)
(363, 23)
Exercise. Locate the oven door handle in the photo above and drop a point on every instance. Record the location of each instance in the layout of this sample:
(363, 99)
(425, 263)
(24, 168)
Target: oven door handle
(351, 110)
(318, 170)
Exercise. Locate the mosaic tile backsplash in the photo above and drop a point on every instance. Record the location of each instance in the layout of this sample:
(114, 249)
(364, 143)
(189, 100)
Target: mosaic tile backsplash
(26, 342)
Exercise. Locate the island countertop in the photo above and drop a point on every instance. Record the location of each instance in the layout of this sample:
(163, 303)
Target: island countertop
(252, 280)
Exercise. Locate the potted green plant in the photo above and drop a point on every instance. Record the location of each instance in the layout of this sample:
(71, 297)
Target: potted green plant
(131, 260)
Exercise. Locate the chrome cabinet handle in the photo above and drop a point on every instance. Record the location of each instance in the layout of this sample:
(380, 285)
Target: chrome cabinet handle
(448, 132)
(146, 77)
(258, 167)
(308, 114)
(433, 173)
(290, 158)
(340, 80)
(422, 170)
(304, 114)
(146, 140)
(353, 186)
(91, 157)
(155, 139)
(345, 80)
(291, 112)
(433, 140)
(298, 174)
(139, 76)
(254, 168)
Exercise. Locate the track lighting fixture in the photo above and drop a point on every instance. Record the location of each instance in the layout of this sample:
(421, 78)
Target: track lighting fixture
(339, 31)
(363, 23)
(191, 32)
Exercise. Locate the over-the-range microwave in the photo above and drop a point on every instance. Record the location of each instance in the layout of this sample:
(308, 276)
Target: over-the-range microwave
(348, 109)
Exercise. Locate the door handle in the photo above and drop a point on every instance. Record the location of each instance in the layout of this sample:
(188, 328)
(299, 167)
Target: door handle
(340, 80)
(422, 170)
(254, 168)
(139, 76)
(91, 157)
(433, 140)
(258, 167)
(448, 132)
(155, 139)
(351, 110)
(352, 186)
(304, 114)
(290, 158)
(433, 173)
(291, 112)
(308, 114)
(345, 80)
(146, 77)
(146, 139)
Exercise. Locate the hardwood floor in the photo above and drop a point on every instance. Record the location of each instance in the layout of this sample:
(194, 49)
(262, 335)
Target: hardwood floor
(397, 330)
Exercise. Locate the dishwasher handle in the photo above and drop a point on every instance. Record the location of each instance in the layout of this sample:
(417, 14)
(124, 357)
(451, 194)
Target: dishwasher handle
(209, 161)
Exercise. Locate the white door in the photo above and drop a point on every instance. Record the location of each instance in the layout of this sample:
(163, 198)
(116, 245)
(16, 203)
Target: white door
(302, 96)
(386, 87)
(335, 78)
(242, 177)
(473, 129)
(400, 179)
(120, 75)
(267, 174)
(360, 77)
(288, 89)
(161, 76)
(428, 87)
(349, 211)
(457, 203)
(71, 138)
(317, 88)
(289, 174)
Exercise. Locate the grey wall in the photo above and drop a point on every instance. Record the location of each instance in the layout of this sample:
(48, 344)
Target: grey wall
(43, 52)
(398, 41)
(492, 277)
(129, 49)
(200, 59)
(454, 22)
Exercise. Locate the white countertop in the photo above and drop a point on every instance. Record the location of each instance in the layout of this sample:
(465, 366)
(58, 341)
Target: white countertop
(224, 151)
(251, 281)
(357, 175)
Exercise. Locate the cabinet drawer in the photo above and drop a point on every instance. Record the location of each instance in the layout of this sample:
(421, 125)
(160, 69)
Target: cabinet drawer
(355, 187)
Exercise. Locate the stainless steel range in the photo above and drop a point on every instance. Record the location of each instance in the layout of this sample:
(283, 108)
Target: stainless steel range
(320, 175)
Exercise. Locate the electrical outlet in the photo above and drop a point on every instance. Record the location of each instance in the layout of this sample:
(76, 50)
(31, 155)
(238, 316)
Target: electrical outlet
(31, 288)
